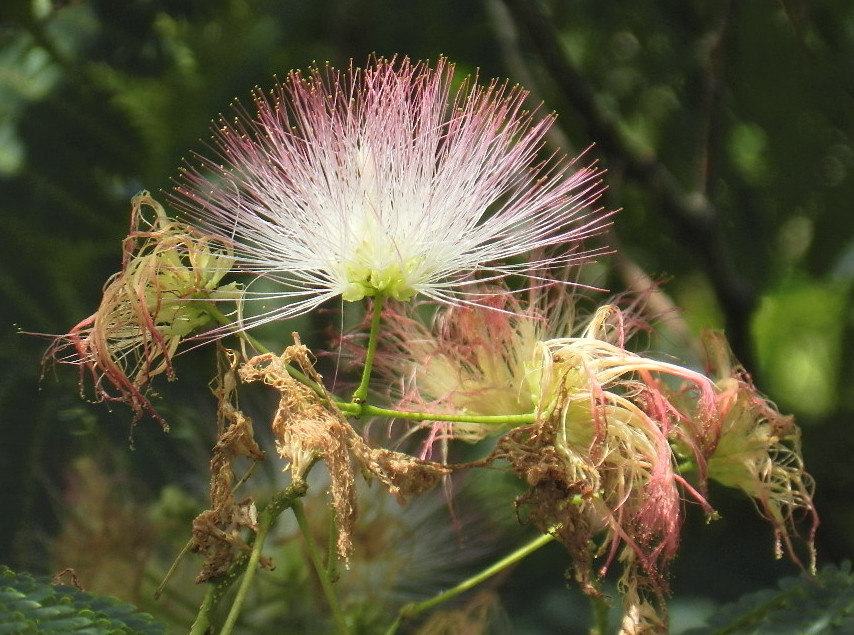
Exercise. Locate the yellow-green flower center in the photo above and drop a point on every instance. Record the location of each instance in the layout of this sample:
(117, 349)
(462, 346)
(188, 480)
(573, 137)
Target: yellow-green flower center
(370, 274)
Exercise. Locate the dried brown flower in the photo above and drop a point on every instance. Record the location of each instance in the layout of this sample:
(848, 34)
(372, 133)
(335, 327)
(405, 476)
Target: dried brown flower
(217, 531)
(307, 427)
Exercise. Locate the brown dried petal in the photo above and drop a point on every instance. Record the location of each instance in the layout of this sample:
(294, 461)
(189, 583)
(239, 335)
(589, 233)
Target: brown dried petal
(217, 531)
(307, 427)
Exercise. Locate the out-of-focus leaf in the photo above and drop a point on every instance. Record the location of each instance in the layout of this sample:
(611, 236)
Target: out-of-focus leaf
(799, 330)
(31, 605)
(824, 604)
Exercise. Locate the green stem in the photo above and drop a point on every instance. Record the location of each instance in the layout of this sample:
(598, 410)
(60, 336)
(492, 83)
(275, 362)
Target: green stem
(322, 573)
(223, 319)
(600, 614)
(202, 623)
(218, 587)
(360, 396)
(357, 407)
(264, 524)
(216, 592)
(415, 609)
(366, 410)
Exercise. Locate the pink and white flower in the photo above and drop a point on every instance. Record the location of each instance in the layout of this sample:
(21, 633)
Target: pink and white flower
(386, 181)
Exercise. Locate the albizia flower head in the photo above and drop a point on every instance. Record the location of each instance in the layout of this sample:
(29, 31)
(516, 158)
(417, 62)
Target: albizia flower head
(169, 274)
(476, 359)
(758, 451)
(596, 457)
(385, 181)
(472, 360)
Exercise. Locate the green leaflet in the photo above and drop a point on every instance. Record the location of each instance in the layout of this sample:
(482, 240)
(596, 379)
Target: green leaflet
(36, 605)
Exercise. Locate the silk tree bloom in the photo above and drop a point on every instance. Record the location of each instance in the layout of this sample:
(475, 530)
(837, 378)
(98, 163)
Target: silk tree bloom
(473, 361)
(476, 360)
(386, 181)
(597, 459)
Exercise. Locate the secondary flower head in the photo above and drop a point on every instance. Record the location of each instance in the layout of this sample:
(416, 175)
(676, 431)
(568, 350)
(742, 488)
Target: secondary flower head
(386, 181)
(759, 452)
(159, 298)
(472, 360)
(476, 360)
(596, 451)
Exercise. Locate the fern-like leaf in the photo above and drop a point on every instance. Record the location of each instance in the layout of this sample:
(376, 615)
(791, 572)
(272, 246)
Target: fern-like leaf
(801, 605)
(31, 605)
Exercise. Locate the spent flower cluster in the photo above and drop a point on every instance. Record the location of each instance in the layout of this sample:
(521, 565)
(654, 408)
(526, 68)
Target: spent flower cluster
(387, 183)
(170, 277)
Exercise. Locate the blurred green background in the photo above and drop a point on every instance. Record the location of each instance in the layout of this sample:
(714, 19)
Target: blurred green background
(726, 128)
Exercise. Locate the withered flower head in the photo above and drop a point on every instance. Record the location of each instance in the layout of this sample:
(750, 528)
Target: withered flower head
(759, 452)
(598, 463)
(170, 274)
(217, 531)
(307, 427)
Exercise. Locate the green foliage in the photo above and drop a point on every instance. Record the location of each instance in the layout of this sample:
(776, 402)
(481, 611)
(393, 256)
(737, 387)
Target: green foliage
(824, 604)
(798, 331)
(34, 605)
